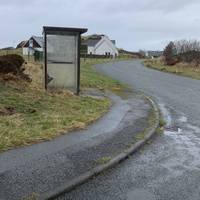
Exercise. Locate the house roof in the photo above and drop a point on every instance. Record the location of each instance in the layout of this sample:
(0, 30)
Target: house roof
(91, 42)
(39, 40)
(93, 36)
(21, 44)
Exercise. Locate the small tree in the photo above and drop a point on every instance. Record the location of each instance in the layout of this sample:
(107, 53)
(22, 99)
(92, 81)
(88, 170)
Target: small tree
(142, 53)
(169, 54)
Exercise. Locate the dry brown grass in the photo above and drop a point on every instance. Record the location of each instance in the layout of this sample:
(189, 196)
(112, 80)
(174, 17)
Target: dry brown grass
(35, 72)
(183, 69)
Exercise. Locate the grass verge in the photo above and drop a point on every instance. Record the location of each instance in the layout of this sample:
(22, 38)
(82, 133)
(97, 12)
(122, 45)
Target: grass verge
(30, 115)
(178, 69)
(150, 122)
(103, 160)
(92, 79)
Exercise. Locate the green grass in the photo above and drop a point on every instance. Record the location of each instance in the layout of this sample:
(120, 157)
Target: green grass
(33, 196)
(38, 115)
(91, 79)
(178, 69)
(103, 160)
(162, 122)
(150, 123)
(41, 116)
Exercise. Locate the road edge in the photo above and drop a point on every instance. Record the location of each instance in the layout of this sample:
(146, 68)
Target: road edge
(113, 162)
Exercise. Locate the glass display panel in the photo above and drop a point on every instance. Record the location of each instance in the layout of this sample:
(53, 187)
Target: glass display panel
(62, 61)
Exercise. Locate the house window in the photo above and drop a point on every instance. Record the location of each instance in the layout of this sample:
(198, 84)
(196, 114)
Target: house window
(31, 43)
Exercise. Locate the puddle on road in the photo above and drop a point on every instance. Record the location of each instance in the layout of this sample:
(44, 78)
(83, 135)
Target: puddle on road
(186, 148)
(183, 119)
(172, 159)
(140, 194)
(183, 141)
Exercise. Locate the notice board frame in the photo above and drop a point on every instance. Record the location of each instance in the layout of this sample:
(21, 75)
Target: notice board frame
(50, 30)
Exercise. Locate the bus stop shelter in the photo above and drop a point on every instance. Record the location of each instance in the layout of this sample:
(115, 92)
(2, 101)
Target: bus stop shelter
(62, 58)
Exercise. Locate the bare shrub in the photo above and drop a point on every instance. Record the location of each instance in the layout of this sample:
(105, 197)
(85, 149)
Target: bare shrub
(182, 51)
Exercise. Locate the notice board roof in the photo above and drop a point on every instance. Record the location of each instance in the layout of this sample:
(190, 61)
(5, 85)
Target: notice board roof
(50, 29)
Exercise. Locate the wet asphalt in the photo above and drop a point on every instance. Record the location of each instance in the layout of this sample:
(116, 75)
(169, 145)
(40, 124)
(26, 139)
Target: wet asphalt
(46, 166)
(168, 168)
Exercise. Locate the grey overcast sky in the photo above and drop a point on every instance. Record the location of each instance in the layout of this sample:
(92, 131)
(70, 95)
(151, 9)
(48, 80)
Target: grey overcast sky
(134, 24)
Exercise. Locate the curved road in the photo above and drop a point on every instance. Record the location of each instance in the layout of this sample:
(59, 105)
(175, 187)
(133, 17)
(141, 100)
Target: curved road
(168, 168)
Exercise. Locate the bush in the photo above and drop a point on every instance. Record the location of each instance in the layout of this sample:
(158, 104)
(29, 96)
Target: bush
(11, 64)
(190, 57)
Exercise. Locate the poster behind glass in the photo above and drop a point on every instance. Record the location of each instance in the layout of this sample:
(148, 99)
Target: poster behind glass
(62, 62)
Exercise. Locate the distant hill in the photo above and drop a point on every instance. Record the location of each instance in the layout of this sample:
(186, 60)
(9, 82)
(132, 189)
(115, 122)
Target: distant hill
(130, 53)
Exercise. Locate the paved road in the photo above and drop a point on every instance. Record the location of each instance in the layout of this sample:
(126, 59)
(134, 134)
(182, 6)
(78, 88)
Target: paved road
(33, 169)
(169, 167)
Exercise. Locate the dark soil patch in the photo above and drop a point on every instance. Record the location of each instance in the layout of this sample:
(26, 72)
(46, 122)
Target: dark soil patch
(7, 111)
(11, 67)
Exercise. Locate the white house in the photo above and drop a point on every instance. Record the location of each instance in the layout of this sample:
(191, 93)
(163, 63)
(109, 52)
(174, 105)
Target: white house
(29, 47)
(101, 45)
(96, 45)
